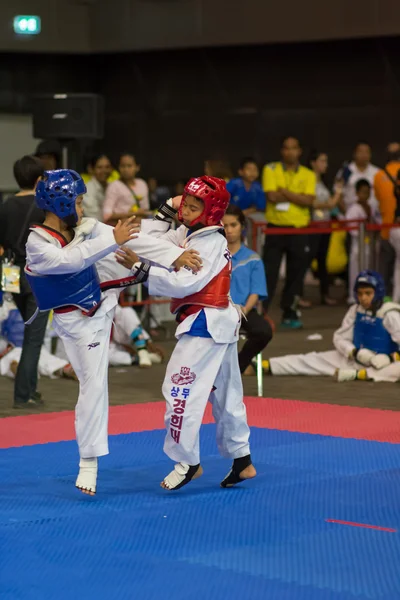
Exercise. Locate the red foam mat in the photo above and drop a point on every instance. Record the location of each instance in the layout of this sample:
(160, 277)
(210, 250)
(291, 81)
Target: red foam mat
(272, 413)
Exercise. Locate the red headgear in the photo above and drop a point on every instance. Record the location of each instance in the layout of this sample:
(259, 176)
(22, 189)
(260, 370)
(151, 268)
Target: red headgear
(212, 191)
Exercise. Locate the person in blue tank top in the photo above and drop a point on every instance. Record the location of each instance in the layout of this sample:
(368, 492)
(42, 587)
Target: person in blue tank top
(367, 344)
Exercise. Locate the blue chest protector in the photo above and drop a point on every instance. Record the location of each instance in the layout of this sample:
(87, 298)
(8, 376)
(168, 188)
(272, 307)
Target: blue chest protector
(370, 333)
(73, 289)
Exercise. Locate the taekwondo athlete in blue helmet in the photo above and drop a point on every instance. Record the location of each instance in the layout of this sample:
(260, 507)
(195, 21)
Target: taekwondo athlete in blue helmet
(72, 269)
(366, 344)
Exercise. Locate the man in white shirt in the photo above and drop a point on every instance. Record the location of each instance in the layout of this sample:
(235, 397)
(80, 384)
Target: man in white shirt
(360, 168)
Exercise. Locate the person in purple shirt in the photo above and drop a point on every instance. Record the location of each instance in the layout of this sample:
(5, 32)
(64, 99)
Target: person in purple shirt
(246, 192)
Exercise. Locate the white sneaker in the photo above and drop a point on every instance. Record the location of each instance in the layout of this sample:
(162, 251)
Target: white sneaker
(346, 375)
(144, 359)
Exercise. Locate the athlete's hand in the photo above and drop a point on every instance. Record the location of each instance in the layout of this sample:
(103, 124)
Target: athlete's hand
(126, 257)
(190, 259)
(176, 202)
(125, 231)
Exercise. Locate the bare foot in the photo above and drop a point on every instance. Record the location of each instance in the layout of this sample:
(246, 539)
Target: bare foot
(329, 301)
(69, 373)
(249, 371)
(14, 367)
(86, 491)
(304, 303)
(241, 470)
(248, 473)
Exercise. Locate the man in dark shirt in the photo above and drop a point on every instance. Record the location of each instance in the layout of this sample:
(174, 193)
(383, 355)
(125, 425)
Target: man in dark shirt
(16, 216)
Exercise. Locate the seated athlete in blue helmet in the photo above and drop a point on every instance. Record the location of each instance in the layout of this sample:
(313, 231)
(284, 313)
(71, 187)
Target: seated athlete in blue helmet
(72, 269)
(366, 343)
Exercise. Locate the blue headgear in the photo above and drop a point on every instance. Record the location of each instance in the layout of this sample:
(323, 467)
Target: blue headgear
(372, 279)
(57, 191)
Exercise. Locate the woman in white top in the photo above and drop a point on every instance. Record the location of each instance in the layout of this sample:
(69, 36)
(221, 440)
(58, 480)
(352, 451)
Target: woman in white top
(93, 201)
(129, 195)
(322, 207)
(359, 168)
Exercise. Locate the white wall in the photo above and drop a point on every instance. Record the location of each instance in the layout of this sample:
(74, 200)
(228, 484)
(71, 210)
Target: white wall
(16, 140)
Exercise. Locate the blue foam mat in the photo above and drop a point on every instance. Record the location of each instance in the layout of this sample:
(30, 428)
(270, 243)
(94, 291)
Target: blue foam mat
(266, 539)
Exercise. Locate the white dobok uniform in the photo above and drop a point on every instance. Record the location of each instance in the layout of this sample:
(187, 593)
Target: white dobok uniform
(201, 368)
(47, 366)
(326, 363)
(86, 339)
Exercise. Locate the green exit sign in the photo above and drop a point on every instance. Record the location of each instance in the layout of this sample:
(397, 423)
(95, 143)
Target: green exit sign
(27, 25)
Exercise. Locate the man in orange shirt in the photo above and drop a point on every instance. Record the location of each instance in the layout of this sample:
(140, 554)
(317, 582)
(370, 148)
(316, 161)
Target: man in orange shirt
(384, 185)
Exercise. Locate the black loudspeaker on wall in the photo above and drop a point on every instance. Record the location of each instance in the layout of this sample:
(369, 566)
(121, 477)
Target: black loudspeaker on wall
(68, 116)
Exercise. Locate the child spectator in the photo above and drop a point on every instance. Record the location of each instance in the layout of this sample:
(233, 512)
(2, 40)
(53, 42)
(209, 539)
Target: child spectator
(359, 210)
(248, 287)
(246, 192)
(366, 344)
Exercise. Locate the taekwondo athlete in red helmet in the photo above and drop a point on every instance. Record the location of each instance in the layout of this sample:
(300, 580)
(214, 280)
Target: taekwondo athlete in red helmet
(71, 268)
(204, 365)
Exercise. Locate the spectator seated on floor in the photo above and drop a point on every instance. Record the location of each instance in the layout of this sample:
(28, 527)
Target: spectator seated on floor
(12, 334)
(366, 344)
(246, 191)
(248, 287)
(49, 365)
(129, 341)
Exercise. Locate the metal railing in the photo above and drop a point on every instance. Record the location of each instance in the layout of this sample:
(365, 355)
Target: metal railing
(260, 229)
